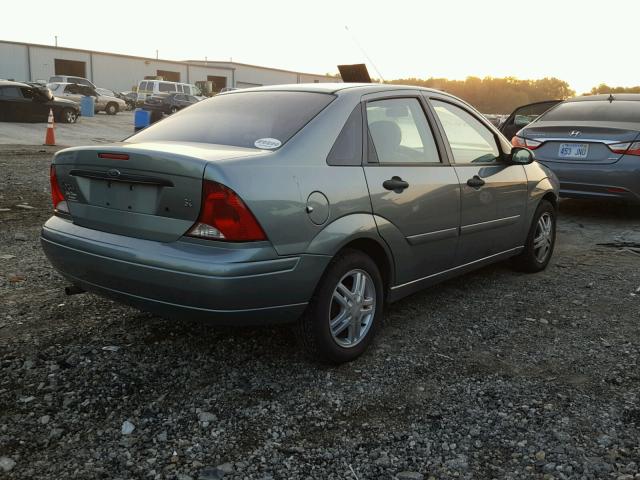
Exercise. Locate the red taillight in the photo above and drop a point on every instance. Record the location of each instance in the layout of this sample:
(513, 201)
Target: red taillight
(57, 197)
(626, 148)
(522, 142)
(114, 156)
(224, 216)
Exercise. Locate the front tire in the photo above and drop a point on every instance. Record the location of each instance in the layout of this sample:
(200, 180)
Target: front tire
(174, 109)
(540, 242)
(346, 310)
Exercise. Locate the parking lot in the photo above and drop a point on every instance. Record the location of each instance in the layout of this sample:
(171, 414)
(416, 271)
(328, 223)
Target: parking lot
(101, 128)
(495, 374)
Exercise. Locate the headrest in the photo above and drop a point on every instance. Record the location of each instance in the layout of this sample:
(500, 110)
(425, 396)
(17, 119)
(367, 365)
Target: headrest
(386, 134)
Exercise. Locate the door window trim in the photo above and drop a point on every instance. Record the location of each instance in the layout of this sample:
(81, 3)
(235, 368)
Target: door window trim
(501, 157)
(440, 146)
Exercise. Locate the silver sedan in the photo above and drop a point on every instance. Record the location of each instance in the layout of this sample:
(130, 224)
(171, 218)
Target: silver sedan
(312, 204)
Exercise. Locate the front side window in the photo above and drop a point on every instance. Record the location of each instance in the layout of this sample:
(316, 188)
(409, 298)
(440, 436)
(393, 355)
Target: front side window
(264, 120)
(80, 81)
(470, 140)
(400, 132)
(28, 93)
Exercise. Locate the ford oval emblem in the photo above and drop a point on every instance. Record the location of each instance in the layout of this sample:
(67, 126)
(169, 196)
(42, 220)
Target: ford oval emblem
(113, 172)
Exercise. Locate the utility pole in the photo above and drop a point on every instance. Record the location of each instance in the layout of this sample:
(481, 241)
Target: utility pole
(56, 37)
(156, 54)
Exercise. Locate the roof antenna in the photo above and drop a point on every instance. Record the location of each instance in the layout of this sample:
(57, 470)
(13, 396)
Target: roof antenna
(611, 99)
(364, 53)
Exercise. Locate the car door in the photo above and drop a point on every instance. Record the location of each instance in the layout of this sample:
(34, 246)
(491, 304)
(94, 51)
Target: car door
(493, 192)
(16, 107)
(35, 105)
(524, 115)
(72, 92)
(415, 194)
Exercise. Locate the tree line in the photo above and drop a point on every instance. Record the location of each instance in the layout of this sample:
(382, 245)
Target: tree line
(604, 88)
(496, 95)
(503, 95)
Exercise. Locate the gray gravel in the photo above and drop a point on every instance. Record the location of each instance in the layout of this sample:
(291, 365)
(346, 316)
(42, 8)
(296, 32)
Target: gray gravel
(493, 375)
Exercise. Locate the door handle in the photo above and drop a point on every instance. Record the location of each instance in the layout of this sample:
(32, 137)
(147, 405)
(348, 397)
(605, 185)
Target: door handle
(475, 182)
(395, 184)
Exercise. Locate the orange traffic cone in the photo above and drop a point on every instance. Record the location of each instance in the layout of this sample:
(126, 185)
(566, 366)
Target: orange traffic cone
(50, 137)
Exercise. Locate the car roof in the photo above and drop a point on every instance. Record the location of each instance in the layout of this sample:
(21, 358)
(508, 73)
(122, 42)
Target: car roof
(361, 88)
(9, 83)
(635, 97)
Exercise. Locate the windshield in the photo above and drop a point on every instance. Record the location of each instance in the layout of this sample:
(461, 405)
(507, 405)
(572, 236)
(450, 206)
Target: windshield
(595, 110)
(253, 119)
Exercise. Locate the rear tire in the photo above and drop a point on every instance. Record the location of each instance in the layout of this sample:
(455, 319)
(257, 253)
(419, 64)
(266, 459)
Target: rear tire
(68, 116)
(346, 310)
(111, 108)
(541, 240)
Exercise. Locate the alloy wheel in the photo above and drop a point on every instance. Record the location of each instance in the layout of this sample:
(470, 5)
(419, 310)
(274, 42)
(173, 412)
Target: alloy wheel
(353, 308)
(70, 117)
(543, 237)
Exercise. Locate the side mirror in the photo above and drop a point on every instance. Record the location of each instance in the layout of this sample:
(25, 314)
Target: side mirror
(521, 156)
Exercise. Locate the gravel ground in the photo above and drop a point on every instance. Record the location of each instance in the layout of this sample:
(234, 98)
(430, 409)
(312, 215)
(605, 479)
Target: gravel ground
(493, 375)
(101, 128)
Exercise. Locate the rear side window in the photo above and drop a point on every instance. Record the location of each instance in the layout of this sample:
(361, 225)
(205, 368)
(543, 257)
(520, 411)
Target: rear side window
(347, 150)
(166, 87)
(263, 120)
(400, 132)
(595, 110)
(11, 92)
(55, 79)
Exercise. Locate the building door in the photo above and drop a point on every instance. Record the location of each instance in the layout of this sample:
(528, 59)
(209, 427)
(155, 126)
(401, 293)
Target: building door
(218, 82)
(169, 76)
(70, 67)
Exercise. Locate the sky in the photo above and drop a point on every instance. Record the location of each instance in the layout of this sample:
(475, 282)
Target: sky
(575, 41)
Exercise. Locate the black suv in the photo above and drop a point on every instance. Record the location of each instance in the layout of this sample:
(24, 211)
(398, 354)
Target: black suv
(23, 102)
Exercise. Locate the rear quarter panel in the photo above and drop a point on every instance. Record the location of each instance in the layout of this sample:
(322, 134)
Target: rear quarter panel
(276, 186)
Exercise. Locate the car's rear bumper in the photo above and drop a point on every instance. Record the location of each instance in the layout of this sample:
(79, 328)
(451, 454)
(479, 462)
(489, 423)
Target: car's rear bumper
(617, 181)
(225, 284)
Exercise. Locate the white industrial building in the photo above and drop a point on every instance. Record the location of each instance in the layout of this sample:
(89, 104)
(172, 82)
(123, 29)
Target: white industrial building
(31, 62)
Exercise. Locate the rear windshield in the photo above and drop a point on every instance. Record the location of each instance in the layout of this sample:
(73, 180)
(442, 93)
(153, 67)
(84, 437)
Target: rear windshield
(250, 119)
(595, 110)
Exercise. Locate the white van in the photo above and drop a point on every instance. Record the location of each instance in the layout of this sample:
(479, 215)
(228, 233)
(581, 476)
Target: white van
(152, 87)
(69, 79)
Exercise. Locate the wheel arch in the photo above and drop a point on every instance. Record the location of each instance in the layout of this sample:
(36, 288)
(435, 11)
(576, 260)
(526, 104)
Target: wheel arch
(358, 232)
(545, 189)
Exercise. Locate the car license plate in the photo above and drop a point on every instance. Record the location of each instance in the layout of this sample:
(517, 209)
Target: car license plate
(573, 150)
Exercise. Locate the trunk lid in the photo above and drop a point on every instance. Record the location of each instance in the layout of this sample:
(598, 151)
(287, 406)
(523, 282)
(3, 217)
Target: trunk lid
(145, 190)
(579, 142)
